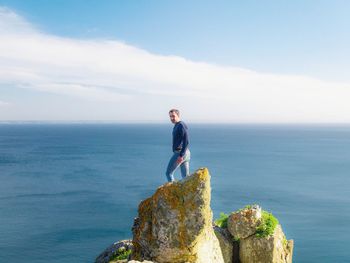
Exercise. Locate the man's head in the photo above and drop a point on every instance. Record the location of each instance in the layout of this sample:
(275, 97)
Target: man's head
(174, 115)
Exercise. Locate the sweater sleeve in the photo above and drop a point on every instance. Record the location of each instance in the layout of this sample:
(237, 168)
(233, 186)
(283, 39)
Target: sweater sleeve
(184, 141)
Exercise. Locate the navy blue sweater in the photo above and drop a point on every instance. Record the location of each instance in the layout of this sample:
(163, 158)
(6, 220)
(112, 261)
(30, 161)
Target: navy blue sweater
(180, 137)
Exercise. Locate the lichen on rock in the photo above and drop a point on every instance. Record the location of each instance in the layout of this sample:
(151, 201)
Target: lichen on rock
(272, 248)
(243, 223)
(260, 236)
(175, 224)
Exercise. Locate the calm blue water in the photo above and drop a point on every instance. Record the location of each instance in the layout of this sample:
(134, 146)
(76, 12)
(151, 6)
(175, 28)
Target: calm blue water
(69, 191)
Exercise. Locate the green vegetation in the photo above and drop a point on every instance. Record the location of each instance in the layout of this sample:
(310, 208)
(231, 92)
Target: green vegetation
(285, 242)
(222, 220)
(120, 254)
(267, 225)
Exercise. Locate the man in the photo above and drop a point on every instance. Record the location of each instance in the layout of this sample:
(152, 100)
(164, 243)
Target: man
(181, 153)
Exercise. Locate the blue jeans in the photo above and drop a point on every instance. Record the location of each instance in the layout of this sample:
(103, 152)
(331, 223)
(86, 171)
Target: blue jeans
(172, 166)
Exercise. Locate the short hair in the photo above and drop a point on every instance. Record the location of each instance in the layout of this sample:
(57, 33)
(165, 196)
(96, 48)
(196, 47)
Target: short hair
(176, 111)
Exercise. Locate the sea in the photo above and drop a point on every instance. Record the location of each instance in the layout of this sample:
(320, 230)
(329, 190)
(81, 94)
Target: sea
(69, 190)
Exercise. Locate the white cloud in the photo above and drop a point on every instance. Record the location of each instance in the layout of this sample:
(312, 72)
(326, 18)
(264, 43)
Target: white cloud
(4, 103)
(107, 71)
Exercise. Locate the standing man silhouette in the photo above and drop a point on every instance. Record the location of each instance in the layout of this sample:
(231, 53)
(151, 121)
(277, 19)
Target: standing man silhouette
(181, 153)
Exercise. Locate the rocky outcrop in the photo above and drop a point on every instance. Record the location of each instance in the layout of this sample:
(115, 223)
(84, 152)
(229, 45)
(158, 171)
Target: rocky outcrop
(243, 223)
(261, 239)
(274, 248)
(175, 224)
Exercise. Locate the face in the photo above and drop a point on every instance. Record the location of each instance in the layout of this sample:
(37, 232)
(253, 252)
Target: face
(174, 118)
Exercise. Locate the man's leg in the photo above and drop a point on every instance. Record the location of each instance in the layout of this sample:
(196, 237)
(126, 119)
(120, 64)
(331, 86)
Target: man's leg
(172, 165)
(185, 165)
(185, 169)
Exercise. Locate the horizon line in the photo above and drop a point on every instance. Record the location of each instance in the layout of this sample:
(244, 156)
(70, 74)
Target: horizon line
(168, 122)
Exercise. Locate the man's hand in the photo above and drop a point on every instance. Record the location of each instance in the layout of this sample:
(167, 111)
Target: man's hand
(179, 160)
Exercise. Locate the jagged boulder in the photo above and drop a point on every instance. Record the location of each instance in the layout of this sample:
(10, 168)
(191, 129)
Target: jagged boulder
(274, 248)
(259, 236)
(175, 224)
(226, 243)
(243, 223)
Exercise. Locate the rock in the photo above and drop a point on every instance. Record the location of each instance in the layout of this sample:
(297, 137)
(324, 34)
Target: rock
(226, 243)
(106, 255)
(243, 223)
(175, 224)
(271, 249)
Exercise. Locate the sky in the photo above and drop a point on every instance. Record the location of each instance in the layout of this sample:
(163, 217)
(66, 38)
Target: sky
(215, 61)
